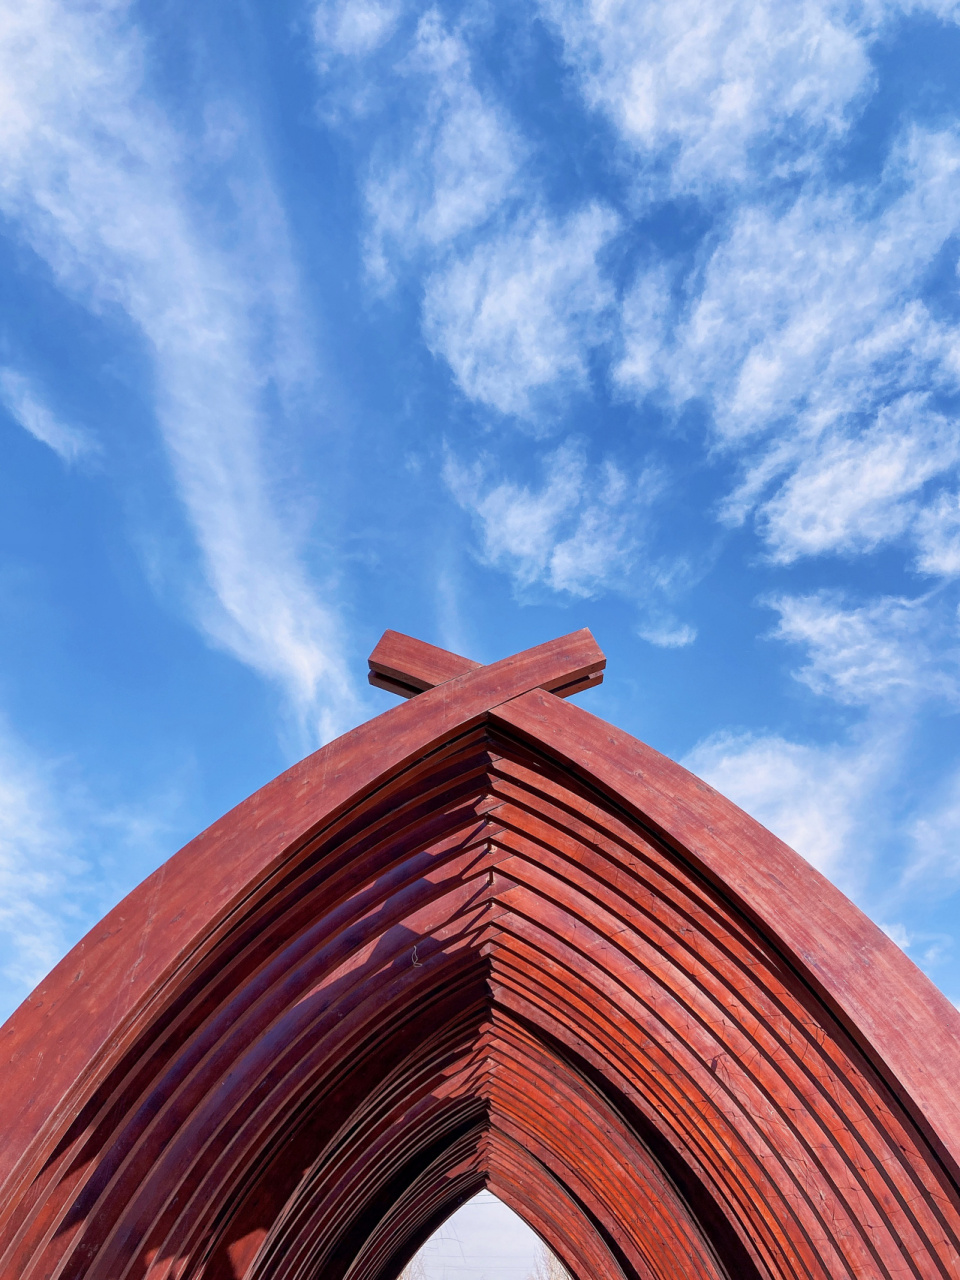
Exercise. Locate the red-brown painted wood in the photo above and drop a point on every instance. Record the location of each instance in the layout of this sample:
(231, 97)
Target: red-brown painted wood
(484, 939)
(405, 666)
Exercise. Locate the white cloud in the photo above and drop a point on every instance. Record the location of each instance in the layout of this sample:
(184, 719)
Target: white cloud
(37, 859)
(577, 533)
(897, 933)
(853, 493)
(64, 858)
(644, 316)
(812, 315)
(707, 85)
(927, 949)
(354, 28)
(34, 415)
(879, 653)
(666, 632)
(808, 338)
(97, 181)
(814, 798)
(934, 840)
(584, 530)
(514, 297)
(937, 530)
(447, 171)
(856, 812)
(515, 316)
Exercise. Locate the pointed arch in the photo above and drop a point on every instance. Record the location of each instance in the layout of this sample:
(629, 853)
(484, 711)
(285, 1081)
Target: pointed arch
(484, 939)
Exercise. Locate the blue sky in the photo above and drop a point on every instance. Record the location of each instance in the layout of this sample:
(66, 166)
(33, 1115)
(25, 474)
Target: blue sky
(484, 322)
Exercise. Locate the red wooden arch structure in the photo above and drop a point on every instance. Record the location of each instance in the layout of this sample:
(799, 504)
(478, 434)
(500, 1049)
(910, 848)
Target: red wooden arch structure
(483, 939)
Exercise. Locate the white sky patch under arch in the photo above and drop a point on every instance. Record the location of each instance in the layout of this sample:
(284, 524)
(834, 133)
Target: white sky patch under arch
(483, 1240)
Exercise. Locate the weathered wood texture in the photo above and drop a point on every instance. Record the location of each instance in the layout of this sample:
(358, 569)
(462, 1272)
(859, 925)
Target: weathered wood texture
(484, 939)
(407, 667)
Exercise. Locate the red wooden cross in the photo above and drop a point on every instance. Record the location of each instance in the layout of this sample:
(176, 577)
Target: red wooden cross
(400, 664)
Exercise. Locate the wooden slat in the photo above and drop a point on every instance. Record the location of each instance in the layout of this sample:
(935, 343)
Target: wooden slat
(400, 664)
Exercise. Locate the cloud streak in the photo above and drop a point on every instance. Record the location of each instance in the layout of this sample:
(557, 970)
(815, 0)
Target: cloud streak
(97, 180)
(25, 404)
(890, 652)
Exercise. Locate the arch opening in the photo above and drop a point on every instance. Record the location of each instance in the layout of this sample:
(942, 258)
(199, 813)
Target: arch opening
(484, 1240)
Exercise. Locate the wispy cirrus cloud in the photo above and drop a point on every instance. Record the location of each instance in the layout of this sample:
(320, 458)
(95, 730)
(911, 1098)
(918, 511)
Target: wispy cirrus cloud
(934, 861)
(574, 533)
(514, 296)
(98, 182)
(807, 333)
(354, 28)
(843, 806)
(856, 492)
(816, 798)
(809, 337)
(853, 806)
(703, 86)
(886, 653)
(516, 316)
(452, 166)
(731, 95)
(64, 856)
(26, 405)
(581, 531)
